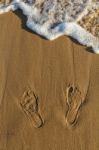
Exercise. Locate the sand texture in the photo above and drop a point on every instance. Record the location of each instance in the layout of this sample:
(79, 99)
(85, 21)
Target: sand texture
(49, 91)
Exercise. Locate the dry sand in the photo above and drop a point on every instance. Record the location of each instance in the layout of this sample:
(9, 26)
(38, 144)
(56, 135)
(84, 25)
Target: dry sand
(47, 68)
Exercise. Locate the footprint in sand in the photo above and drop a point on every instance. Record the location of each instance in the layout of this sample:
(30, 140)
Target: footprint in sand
(74, 102)
(29, 104)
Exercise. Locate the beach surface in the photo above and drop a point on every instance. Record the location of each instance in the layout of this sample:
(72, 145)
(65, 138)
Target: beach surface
(47, 68)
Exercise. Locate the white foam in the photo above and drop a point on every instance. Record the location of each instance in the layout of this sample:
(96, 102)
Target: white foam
(71, 29)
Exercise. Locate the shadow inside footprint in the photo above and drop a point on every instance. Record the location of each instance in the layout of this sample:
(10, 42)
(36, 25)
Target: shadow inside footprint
(74, 101)
(29, 104)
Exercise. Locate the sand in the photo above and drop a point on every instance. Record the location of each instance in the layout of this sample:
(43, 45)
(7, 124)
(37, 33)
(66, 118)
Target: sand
(48, 68)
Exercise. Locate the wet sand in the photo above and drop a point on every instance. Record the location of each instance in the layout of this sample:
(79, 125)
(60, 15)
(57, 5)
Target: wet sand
(47, 68)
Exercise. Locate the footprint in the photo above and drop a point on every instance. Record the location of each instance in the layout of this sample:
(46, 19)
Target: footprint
(74, 101)
(29, 104)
